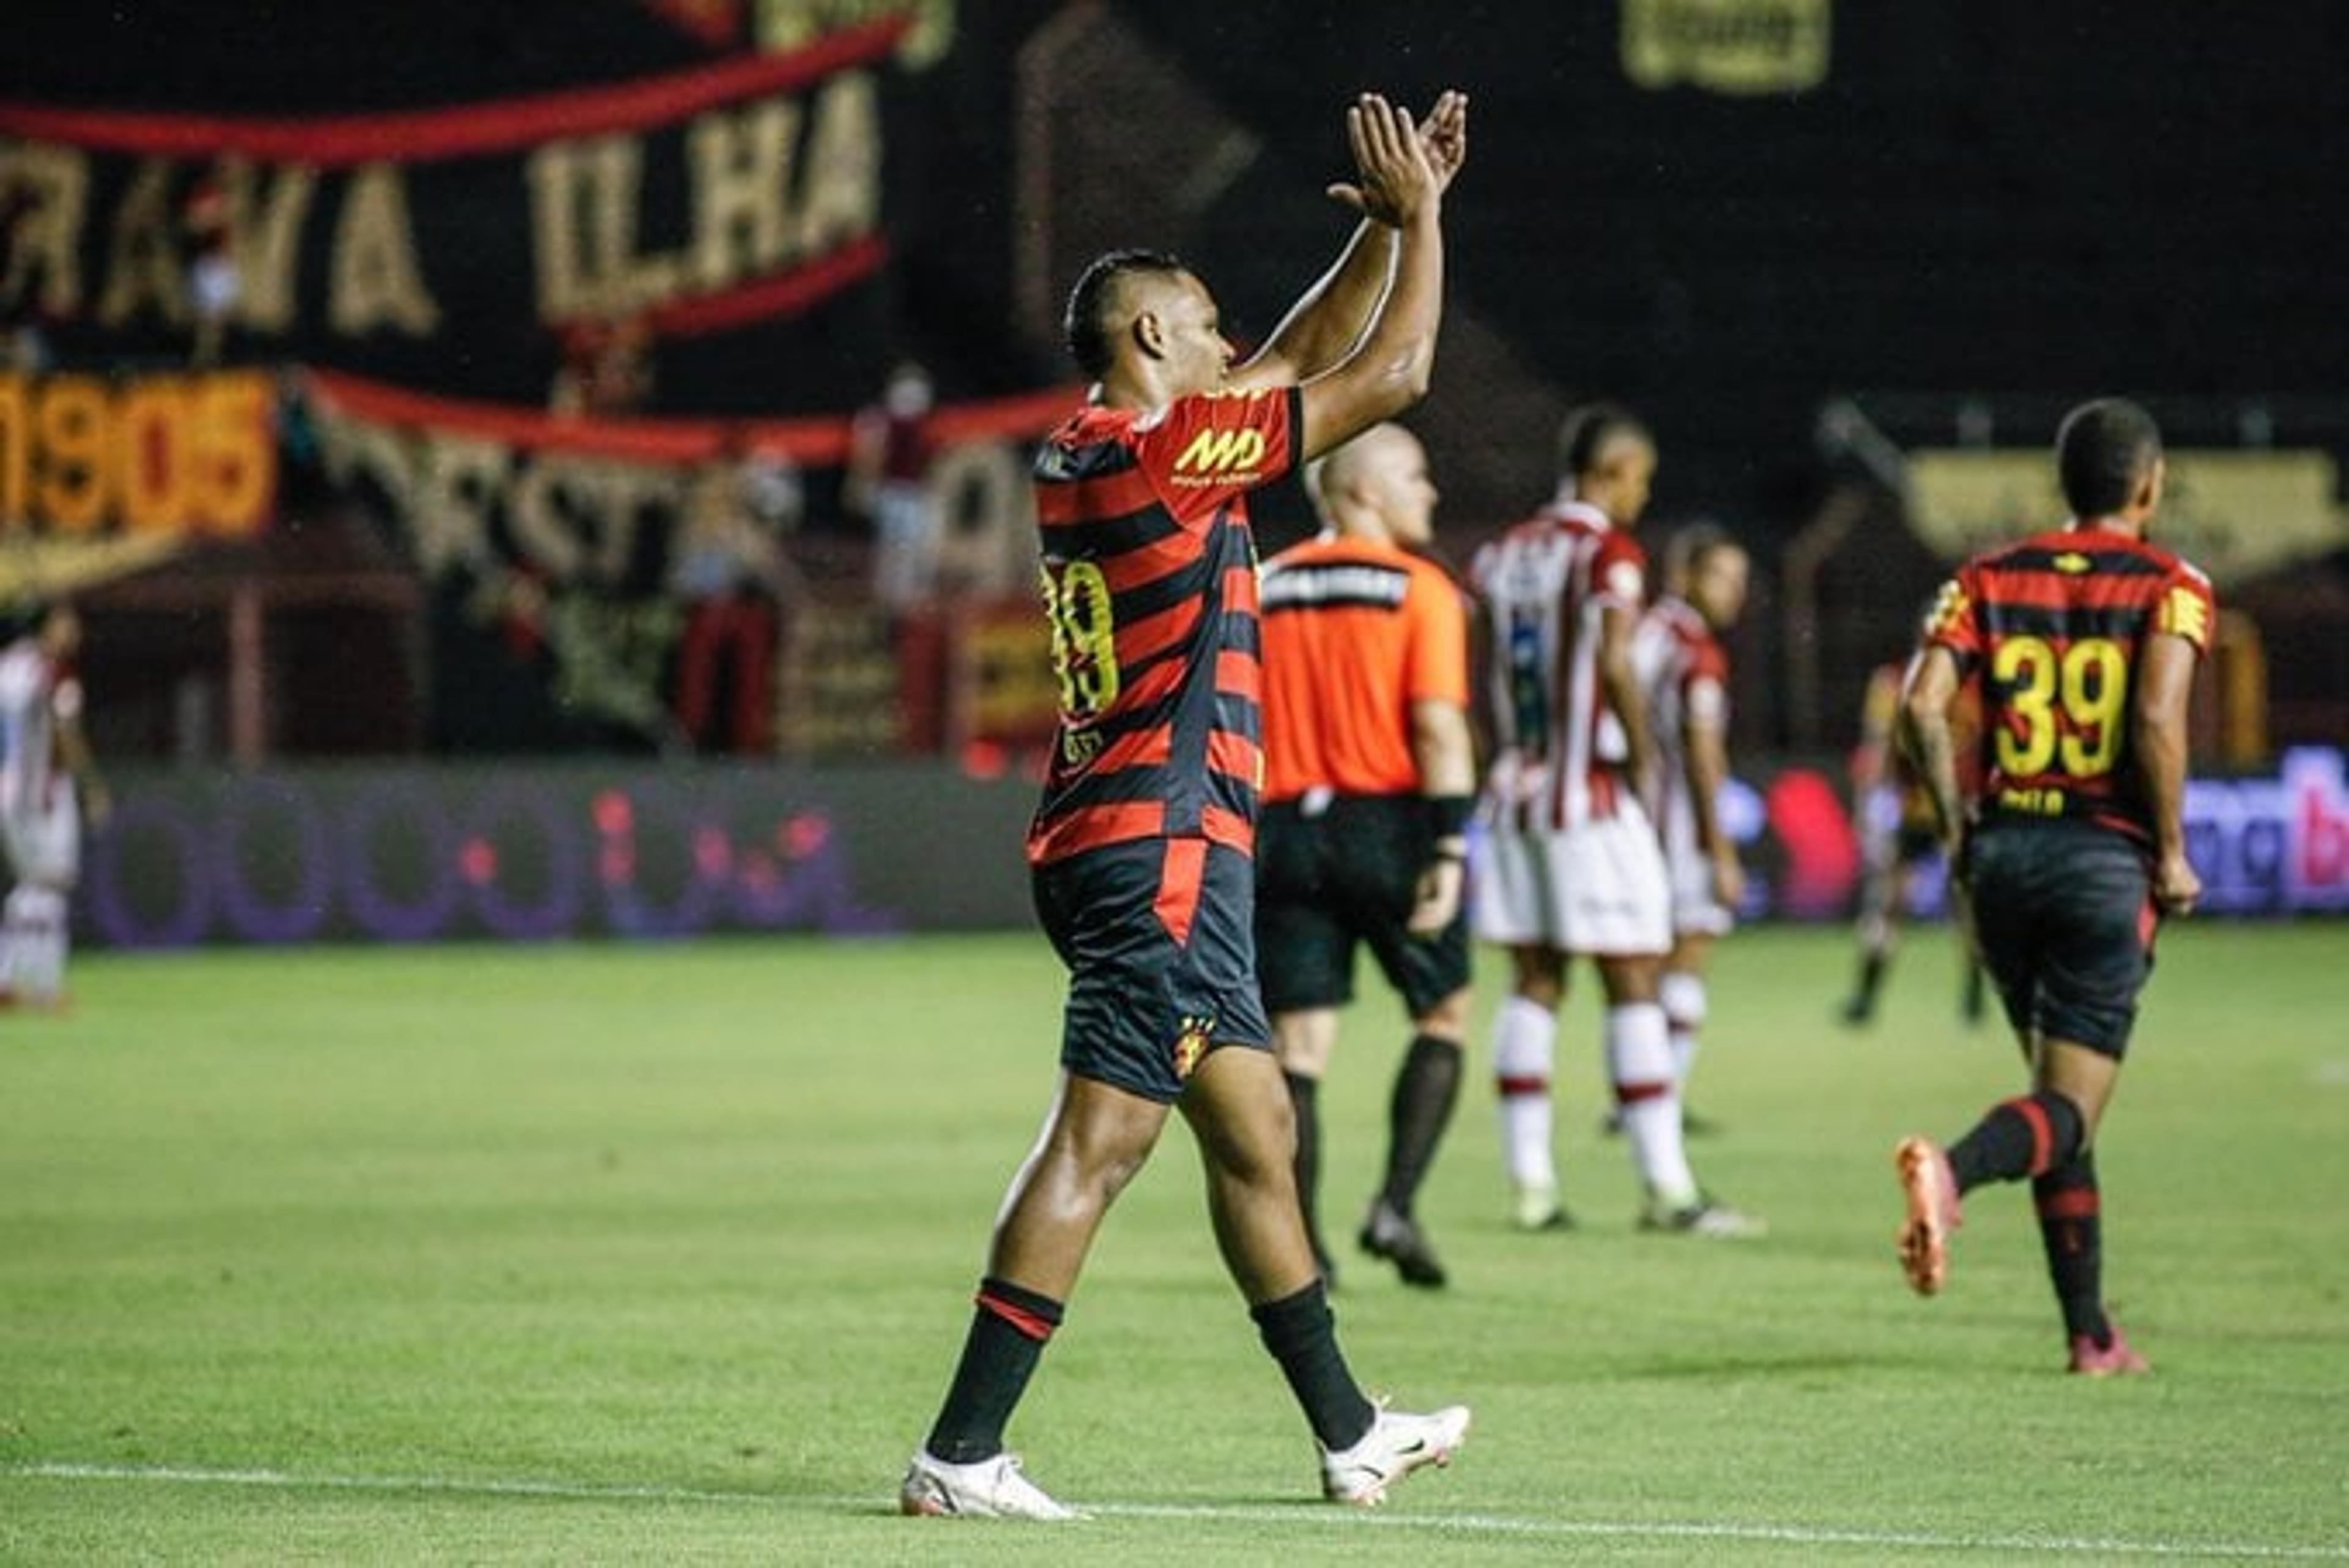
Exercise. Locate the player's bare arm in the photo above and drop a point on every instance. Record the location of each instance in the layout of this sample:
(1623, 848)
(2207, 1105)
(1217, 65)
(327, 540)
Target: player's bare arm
(1925, 736)
(2165, 678)
(1620, 682)
(1706, 750)
(1330, 316)
(1445, 751)
(1388, 372)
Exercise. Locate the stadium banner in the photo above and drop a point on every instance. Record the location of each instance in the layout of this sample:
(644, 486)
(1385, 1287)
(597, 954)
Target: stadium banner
(2236, 515)
(695, 201)
(563, 529)
(101, 476)
(615, 850)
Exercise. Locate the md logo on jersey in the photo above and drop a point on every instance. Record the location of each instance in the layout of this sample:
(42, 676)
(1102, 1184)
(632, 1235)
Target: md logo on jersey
(1221, 454)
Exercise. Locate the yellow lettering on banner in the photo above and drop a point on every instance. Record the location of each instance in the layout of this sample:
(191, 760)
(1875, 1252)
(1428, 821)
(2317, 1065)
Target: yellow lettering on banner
(142, 267)
(44, 247)
(69, 430)
(458, 485)
(266, 213)
(738, 164)
(1729, 46)
(233, 460)
(376, 280)
(795, 23)
(840, 196)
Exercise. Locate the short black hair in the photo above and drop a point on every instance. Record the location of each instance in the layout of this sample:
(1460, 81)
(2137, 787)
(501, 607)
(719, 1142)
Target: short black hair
(1087, 334)
(2104, 450)
(1588, 430)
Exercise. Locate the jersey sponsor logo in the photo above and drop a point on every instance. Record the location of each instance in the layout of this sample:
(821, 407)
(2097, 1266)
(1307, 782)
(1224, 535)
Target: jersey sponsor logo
(2071, 562)
(1222, 453)
(2039, 801)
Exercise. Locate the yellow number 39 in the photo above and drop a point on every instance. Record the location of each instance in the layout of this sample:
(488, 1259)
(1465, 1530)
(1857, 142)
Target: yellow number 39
(1084, 638)
(2070, 704)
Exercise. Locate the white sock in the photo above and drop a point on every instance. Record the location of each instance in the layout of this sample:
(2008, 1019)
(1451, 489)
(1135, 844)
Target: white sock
(1640, 1058)
(1525, 1044)
(1682, 994)
(33, 921)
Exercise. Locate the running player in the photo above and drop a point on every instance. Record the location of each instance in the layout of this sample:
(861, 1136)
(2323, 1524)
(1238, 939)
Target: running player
(2086, 637)
(1894, 813)
(1684, 671)
(49, 784)
(1140, 848)
(1370, 774)
(1570, 860)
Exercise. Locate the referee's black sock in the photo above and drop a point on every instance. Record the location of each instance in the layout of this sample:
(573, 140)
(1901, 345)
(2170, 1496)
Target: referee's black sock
(1426, 1087)
(2027, 1136)
(2070, 1223)
(1007, 1338)
(1303, 1337)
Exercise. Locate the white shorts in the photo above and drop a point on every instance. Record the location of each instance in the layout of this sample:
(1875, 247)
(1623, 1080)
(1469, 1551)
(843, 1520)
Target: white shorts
(43, 845)
(1599, 889)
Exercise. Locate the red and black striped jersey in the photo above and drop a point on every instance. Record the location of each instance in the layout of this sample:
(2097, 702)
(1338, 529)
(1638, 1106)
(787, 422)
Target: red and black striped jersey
(1149, 577)
(2055, 627)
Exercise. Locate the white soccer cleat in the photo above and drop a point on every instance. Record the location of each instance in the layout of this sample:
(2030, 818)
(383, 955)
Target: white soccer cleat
(1397, 1444)
(989, 1488)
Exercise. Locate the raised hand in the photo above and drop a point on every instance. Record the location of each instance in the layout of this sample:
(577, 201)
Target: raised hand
(1443, 136)
(1391, 161)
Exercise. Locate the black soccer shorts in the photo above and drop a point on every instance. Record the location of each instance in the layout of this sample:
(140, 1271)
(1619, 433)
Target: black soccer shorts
(2065, 914)
(1161, 955)
(1344, 876)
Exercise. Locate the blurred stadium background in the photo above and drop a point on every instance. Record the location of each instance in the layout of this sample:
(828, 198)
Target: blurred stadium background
(386, 560)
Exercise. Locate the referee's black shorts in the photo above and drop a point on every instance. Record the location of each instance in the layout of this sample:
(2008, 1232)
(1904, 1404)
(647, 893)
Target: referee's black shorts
(1326, 880)
(2065, 914)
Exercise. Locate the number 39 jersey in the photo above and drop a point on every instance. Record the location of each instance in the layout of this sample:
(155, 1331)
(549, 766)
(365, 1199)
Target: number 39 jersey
(1150, 584)
(2056, 625)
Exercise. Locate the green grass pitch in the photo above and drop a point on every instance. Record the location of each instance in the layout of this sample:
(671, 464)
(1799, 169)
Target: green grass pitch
(662, 1254)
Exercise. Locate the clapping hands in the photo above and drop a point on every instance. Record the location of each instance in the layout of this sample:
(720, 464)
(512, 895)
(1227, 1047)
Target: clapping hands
(1401, 167)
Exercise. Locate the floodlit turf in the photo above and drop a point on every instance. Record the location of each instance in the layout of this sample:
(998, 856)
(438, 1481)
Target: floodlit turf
(662, 1254)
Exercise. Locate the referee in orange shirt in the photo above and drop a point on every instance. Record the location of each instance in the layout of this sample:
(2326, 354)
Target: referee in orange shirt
(1369, 778)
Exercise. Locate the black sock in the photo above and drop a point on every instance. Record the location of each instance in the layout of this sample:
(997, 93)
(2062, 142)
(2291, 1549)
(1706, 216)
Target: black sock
(2072, 1226)
(1425, 1088)
(1871, 976)
(1303, 1337)
(1007, 1336)
(2027, 1136)
(1304, 1098)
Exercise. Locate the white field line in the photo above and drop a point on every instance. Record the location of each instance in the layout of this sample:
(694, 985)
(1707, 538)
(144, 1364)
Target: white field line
(1455, 1524)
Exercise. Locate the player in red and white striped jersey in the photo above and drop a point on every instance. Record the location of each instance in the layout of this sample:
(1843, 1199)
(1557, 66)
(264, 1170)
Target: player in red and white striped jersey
(1684, 671)
(1568, 861)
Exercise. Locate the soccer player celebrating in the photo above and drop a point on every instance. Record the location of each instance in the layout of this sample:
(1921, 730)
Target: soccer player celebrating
(1684, 671)
(1571, 863)
(1370, 774)
(2086, 637)
(1140, 848)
